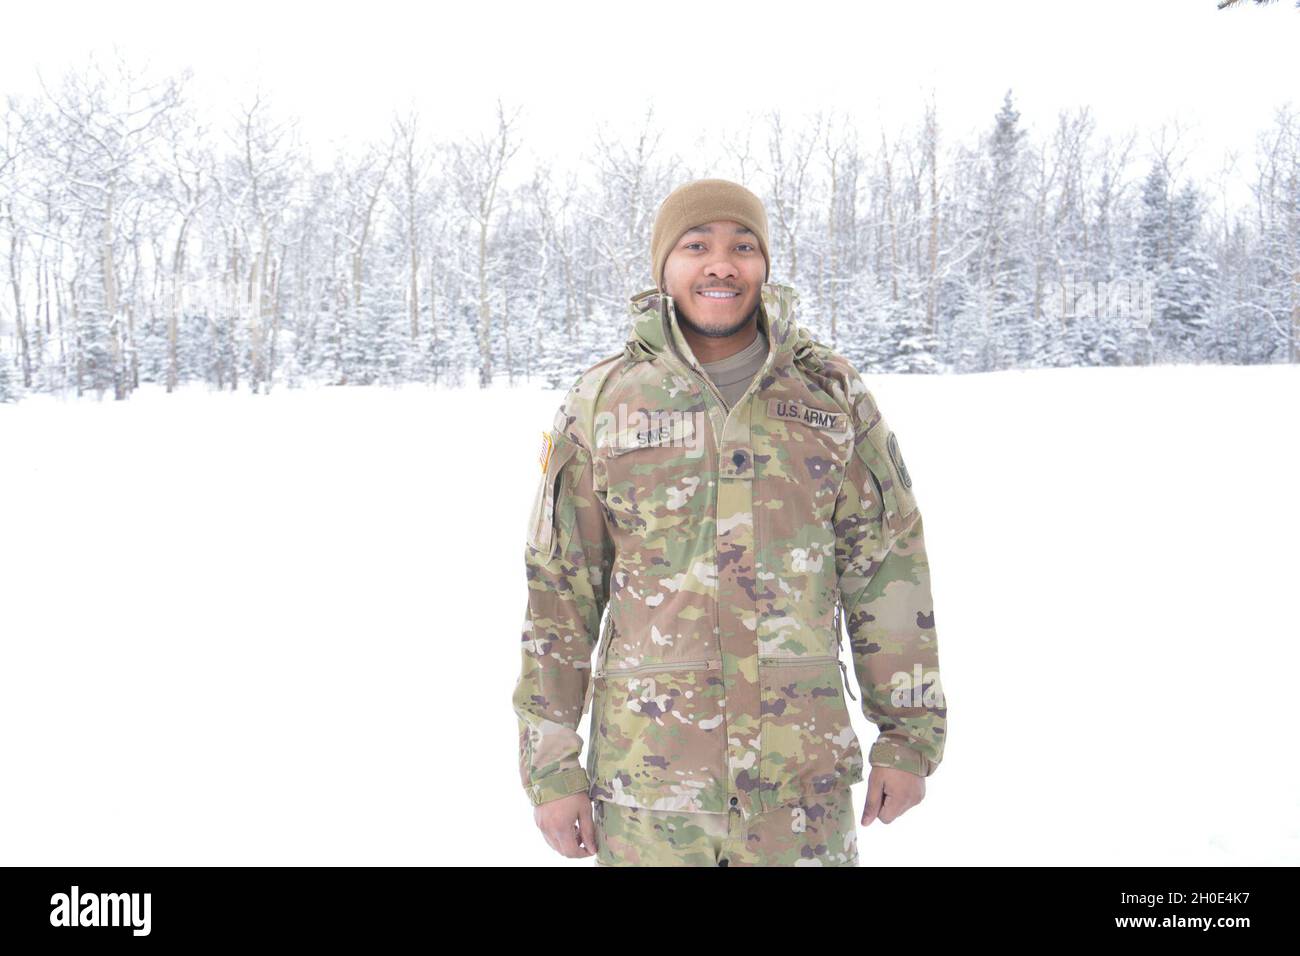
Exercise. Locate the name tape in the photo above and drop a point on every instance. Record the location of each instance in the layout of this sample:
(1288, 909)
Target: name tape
(805, 414)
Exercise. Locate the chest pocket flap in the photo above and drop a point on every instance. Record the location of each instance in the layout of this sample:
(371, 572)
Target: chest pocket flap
(542, 532)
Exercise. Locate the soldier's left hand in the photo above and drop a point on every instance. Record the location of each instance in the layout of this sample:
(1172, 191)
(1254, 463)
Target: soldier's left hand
(891, 793)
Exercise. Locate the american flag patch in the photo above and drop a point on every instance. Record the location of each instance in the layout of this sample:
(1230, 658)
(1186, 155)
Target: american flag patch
(544, 454)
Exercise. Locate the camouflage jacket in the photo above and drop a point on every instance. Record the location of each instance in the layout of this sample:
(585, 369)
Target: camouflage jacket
(721, 548)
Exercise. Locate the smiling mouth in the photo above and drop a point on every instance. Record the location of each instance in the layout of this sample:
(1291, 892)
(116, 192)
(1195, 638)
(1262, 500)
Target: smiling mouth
(722, 295)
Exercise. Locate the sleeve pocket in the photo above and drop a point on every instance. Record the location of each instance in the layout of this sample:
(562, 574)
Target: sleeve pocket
(883, 459)
(541, 522)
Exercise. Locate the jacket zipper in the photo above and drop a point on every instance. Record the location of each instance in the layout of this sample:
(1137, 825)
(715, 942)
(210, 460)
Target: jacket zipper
(822, 659)
(703, 377)
(670, 349)
(726, 411)
(664, 668)
(818, 659)
(708, 384)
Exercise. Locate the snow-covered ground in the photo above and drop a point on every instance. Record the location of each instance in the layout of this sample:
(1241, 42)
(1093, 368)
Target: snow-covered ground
(285, 629)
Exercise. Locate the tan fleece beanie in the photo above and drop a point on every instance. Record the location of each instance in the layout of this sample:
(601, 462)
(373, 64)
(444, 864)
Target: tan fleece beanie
(696, 203)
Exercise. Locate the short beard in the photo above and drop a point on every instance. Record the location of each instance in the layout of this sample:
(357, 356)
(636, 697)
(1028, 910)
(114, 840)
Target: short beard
(714, 333)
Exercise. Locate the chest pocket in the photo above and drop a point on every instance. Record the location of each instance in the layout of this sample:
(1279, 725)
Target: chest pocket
(656, 477)
(543, 535)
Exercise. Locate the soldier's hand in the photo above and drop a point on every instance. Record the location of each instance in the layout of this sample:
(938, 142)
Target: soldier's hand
(891, 793)
(567, 825)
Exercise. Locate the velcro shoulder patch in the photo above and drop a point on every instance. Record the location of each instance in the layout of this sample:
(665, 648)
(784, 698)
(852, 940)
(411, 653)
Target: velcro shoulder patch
(544, 453)
(896, 457)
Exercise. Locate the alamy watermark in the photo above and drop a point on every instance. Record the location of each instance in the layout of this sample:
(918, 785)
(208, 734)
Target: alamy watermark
(101, 909)
(917, 689)
(1128, 300)
(624, 429)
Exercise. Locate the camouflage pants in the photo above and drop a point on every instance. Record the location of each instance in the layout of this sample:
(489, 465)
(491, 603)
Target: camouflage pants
(819, 832)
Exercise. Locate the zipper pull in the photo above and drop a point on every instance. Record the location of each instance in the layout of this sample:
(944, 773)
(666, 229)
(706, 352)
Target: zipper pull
(839, 640)
(597, 664)
(845, 672)
(839, 646)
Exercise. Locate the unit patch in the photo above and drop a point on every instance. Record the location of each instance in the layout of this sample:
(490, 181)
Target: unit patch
(896, 457)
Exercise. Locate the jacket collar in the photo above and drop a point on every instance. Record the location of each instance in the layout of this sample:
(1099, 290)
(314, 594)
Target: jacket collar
(656, 334)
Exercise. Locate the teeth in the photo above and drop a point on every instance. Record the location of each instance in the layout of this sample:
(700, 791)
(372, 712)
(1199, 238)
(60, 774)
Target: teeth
(721, 295)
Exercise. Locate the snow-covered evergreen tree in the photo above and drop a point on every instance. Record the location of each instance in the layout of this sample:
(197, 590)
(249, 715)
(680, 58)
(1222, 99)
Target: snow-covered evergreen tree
(1002, 266)
(1191, 281)
(913, 343)
(8, 388)
(391, 333)
(1174, 260)
(973, 348)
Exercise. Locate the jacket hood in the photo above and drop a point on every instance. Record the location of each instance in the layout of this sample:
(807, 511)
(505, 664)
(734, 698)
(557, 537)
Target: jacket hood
(655, 331)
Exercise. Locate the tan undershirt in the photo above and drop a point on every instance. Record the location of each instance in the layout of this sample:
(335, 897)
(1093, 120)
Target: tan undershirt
(733, 374)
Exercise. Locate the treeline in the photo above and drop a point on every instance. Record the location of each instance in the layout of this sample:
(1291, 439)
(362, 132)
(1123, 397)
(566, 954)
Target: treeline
(143, 242)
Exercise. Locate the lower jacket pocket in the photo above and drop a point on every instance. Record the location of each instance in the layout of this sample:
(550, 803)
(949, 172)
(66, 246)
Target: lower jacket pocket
(808, 743)
(659, 737)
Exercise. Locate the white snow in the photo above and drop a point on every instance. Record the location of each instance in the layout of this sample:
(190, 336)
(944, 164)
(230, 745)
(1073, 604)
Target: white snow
(285, 629)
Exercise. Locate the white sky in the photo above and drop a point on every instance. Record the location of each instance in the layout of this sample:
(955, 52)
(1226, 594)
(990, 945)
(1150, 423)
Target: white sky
(343, 67)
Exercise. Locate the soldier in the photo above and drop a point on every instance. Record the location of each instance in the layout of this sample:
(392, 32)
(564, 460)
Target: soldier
(722, 490)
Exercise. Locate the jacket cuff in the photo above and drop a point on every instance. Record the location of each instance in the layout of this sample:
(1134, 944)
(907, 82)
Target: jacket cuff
(888, 752)
(557, 785)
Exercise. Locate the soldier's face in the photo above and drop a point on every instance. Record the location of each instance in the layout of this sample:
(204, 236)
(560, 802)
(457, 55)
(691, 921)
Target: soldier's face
(719, 257)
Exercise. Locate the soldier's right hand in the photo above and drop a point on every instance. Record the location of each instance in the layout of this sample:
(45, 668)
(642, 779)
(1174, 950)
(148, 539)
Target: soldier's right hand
(567, 825)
